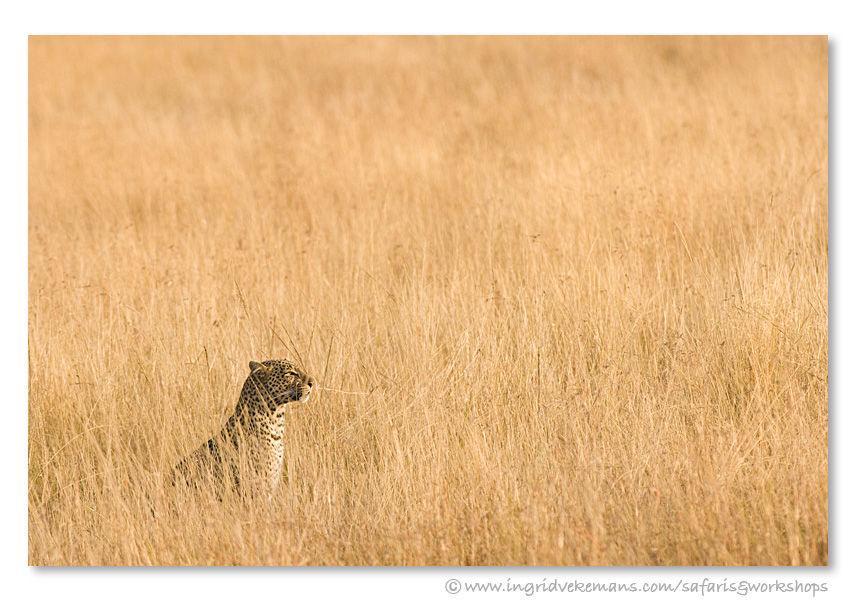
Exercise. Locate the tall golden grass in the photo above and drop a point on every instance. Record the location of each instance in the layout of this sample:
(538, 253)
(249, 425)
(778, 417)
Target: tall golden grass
(567, 297)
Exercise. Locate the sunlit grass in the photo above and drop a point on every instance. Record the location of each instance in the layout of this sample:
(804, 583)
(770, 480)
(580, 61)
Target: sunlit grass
(568, 297)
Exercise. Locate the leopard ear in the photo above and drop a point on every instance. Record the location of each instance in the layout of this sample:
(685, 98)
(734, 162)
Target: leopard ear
(255, 366)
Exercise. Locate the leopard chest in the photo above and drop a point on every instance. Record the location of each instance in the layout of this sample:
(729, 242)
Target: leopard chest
(266, 444)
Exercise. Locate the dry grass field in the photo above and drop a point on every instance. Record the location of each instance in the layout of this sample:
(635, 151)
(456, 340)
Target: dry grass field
(565, 298)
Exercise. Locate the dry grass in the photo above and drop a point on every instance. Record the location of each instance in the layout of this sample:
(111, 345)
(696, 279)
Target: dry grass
(568, 296)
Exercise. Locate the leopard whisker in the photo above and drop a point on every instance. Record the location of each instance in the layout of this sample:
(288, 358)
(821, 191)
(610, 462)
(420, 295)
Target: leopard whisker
(341, 391)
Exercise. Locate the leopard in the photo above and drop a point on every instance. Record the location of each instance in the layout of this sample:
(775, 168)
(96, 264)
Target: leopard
(246, 457)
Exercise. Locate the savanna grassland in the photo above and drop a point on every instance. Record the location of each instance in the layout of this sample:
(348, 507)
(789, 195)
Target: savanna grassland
(565, 298)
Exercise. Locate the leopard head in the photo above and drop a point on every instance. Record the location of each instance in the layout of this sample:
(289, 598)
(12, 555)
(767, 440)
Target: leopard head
(278, 382)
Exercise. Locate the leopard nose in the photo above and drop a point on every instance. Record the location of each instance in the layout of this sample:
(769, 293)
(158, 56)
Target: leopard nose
(310, 381)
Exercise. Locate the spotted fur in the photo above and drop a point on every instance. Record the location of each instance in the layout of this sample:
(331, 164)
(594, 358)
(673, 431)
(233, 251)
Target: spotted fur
(246, 457)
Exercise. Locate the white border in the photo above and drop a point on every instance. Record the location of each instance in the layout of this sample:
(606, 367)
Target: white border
(374, 17)
(733, 17)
